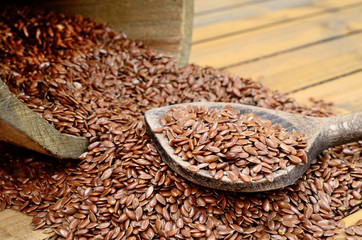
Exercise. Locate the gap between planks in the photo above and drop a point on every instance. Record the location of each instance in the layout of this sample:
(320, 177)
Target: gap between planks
(235, 50)
(264, 15)
(344, 93)
(326, 81)
(326, 71)
(306, 66)
(329, 64)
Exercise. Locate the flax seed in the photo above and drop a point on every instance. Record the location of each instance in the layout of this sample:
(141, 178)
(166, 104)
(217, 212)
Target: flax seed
(227, 151)
(88, 80)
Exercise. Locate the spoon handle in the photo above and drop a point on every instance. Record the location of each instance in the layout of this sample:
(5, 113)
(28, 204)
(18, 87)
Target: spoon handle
(342, 129)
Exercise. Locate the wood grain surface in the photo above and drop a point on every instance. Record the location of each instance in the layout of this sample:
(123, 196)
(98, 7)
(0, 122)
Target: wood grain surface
(236, 17)
(15, 225)
(278, 38)
(299, 69)
(296, 47)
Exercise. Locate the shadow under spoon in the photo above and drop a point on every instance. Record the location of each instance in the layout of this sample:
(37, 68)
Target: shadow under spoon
(321, 134)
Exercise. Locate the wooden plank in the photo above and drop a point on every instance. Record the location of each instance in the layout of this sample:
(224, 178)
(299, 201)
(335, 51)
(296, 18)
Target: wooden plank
(243, 11)
(208, 6)
(246, 17)
(344, 92)
(307, 66)
(15, 225)
(348, 221)
(251, 46)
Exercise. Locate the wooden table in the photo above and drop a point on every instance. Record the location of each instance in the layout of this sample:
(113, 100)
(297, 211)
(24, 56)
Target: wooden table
(302, 48)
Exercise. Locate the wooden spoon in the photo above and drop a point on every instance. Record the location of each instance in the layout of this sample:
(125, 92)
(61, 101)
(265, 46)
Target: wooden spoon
(19, 125)
(321, 133)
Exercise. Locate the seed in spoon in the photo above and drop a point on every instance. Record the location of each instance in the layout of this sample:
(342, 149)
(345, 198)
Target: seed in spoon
(227, 143)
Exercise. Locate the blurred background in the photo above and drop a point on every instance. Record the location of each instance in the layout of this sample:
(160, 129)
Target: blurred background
(303, 48)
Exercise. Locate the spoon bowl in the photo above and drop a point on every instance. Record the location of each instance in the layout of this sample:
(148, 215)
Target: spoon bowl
(321, 133)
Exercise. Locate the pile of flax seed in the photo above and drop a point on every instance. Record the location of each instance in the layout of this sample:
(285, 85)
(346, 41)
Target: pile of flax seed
(88, 80)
